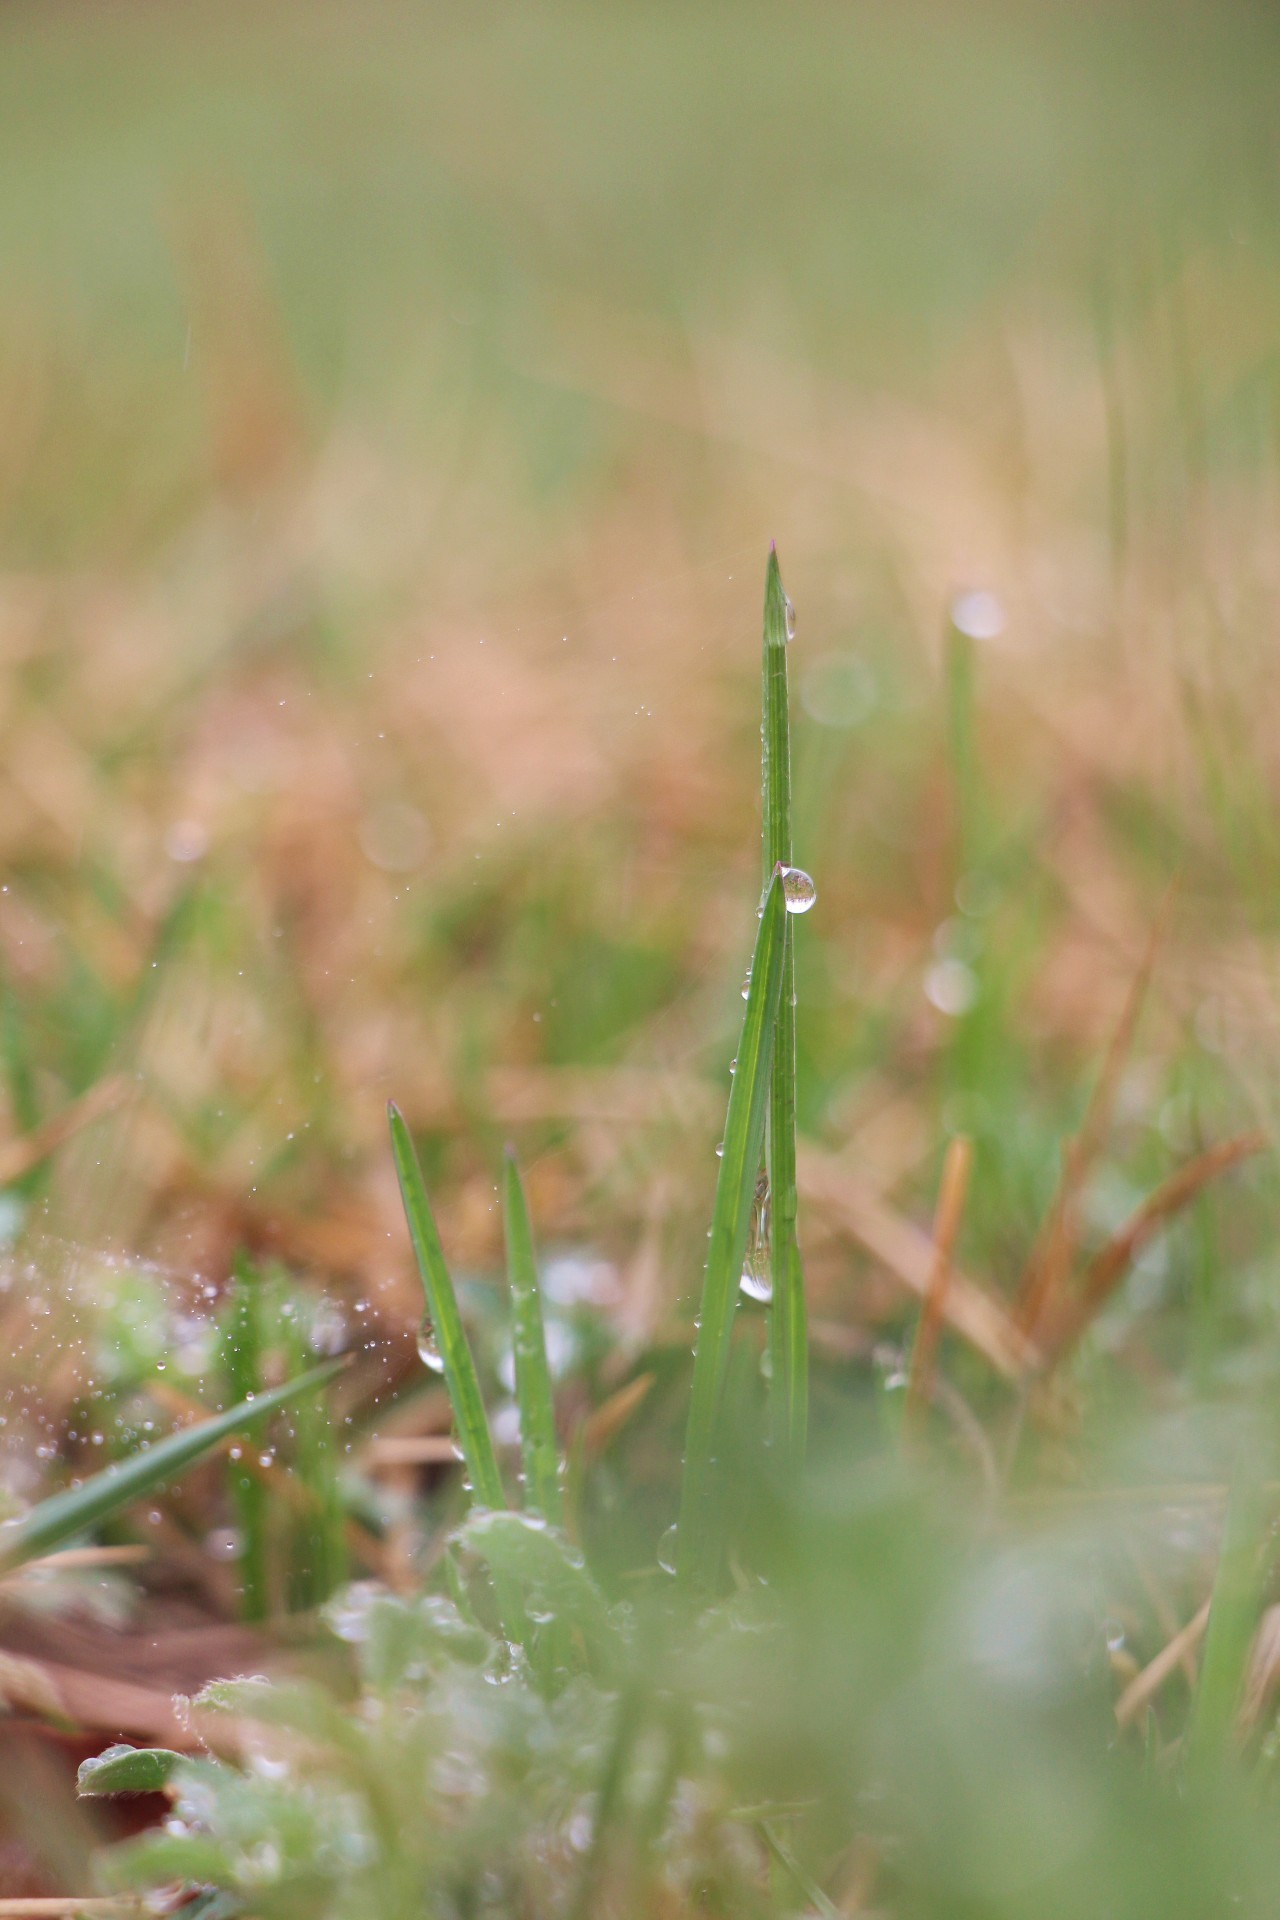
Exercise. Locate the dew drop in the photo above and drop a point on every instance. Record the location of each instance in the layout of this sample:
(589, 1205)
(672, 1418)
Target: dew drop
(798, 889)
(789, 614)
(756, 1283)
(428, 1348)
(667, 1550)
(978, 614)
(720, 1150)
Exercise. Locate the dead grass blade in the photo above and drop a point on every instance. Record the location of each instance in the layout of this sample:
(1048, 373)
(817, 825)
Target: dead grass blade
(19, 1157)
(1051, 1258)
(1108, 1267)
(609, 1418)
(952, 1192)
(910, 1256)
(1145, 1685)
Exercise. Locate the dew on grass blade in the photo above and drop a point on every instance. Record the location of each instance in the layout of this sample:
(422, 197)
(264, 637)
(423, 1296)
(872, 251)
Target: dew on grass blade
(798, 889)
(755, 1282)
(789, 613)
(978, 614)
(667, 1550)
(429, 1348)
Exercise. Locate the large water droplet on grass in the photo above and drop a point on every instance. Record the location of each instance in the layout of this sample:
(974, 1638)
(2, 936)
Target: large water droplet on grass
(798, 889)
(428, 1347)
(978, 614)
(756, 1281)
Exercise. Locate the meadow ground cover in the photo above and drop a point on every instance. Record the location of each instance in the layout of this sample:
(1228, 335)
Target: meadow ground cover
(396, 411)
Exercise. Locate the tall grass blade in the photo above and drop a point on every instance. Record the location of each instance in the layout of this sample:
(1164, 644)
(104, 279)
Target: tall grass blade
(442, 1305)
(77, 1509)
(1234, 1609)
(242, 1378)
(788, 1330)
(543, 1491)
(730, 1223)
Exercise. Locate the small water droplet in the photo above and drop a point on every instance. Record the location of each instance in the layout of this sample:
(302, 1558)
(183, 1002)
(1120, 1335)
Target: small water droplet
(428, 1348)
(667, 1550)
(746, 983)
(733, 1064)
(223, 1542)
(720, 1150)
(798, 889)
(789, 614)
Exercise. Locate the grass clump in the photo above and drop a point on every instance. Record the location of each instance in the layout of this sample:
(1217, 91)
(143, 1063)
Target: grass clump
(884, 1678)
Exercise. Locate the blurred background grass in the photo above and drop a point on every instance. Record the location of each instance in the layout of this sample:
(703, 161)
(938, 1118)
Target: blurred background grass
(395, 407)
(396, 404)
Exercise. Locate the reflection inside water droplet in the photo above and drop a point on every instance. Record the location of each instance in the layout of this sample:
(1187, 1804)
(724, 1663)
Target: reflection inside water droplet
(798, 889)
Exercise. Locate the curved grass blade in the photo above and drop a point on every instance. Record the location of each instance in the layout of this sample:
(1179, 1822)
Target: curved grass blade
(77, 1509)
(442, 1305)
(730, 1223)
(543, 1493)
(788, 1326)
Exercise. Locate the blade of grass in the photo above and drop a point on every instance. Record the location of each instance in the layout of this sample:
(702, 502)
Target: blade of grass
(242, 1377)
(788, 1337)
(946, 1225)
(1234, 1609)
(542, 1488)
(730, 1222)
(442, 1304)
(1108, 1268)
(76, 1509)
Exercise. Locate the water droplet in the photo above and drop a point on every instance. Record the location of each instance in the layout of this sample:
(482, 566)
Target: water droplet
(789, 614)
(951, 986)
(733, 1064)
(756, 1282)
(978, 614)
(746, 983)
(667, 1550)
(720, 1150)
(428, 1348)
(798, 889)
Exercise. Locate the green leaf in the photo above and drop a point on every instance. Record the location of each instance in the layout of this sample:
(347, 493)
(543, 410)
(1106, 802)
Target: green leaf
(126, 1769)
(788, 1326)
(77, 1509)
(533, 1376)
(524, 1551)
(442, 1305)
(730, 1222)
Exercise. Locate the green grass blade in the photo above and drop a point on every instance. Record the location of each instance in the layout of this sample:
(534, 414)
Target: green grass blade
(1238, 1589)
(242, 1378)
(788, 1328)
(730, 1222)
(543, 1491)
(442, 1305)
(77, 1509)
